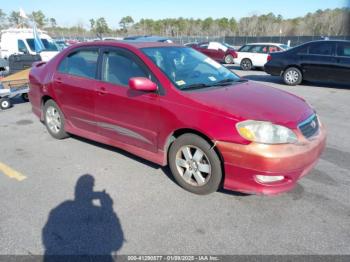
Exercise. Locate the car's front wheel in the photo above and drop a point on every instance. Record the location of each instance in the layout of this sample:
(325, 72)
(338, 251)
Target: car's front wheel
(292, 76)
(54, 120)
(195, 165)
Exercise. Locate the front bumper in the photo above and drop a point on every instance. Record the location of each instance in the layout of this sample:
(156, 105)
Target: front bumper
(243, 162)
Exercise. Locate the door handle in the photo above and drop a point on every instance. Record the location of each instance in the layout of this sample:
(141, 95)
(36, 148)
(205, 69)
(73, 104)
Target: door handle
(102, 91)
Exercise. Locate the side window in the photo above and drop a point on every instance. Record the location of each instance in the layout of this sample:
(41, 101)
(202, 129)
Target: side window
(343, 49)
(118, 68)
(258, 49)
(204, 46)
(22, 47)
(245, 48)
(81, 63)
(273, 49)
(321, 49)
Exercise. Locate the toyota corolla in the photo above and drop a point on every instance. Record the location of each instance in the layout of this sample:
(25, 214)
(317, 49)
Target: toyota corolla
(174, 106)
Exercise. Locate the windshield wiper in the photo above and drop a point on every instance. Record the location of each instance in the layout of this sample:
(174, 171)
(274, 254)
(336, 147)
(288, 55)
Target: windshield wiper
(196, 86)
(227, 82)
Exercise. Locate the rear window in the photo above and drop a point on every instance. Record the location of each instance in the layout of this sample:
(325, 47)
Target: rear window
(343, 49)
(81, 63)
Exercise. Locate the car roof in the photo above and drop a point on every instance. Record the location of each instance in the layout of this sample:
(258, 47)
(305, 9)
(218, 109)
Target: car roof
(266, 43)
(120, 43)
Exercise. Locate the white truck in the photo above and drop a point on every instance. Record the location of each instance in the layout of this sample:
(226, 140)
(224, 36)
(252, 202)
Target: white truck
(21, 41)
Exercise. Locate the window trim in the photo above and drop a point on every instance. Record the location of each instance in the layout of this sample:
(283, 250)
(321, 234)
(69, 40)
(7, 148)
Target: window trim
(76, 50)
(136, 58)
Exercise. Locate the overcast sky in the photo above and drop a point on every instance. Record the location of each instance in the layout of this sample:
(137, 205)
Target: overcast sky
(68, 13)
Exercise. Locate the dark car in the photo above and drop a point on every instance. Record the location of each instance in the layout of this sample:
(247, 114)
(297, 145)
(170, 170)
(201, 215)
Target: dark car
(220, 52)
(324, 60)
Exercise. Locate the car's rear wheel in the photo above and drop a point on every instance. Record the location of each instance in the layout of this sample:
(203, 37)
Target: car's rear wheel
(246, 64)
(229, 59)
(54, 120)
(5, 103)
(292, 76)
(25, 97)
(195, 165)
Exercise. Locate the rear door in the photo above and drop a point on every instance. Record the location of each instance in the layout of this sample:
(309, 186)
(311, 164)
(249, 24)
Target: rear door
(75, 82)
(258, 55)
(125, 115)
(342, 58)
(319, 62)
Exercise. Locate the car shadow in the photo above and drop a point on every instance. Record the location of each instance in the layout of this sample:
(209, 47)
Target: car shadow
(80, 229)
(165, 169)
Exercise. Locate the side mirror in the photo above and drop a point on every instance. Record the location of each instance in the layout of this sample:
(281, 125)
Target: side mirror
(142, 84)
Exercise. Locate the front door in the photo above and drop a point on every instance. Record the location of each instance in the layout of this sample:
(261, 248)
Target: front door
(125, 115)
(342, 61)
(318, 63)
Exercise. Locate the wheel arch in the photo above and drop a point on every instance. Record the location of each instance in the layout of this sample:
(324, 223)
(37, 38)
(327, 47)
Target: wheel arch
(293, 65)
(181, 131)
(44, 99)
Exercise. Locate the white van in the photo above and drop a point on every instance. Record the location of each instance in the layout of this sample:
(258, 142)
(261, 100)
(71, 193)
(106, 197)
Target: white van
(21, 41)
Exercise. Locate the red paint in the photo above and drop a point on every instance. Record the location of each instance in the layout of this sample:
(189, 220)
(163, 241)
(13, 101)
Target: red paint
(218, 55)
(145, 121)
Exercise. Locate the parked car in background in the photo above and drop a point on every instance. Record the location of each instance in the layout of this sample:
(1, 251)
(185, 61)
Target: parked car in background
(220, 52)
(61, 44)
(21, 41)
(149, 38)
(173, 105)
(324, 60)
(256, 54)
(4, 66)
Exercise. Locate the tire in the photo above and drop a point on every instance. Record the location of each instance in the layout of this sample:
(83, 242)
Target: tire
(246, 64)
(54, 120)
(185, 166)
(5, 103)
(292, 76)
(25, 97)
(229, 59)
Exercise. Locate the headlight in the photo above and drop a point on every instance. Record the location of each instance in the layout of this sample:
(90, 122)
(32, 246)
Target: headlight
(265, 132)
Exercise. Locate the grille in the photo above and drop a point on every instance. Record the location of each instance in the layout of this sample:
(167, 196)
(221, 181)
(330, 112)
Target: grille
(310, 126)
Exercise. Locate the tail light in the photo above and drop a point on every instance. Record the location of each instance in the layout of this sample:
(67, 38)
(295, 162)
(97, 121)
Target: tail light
(269, 58)
(234, 54)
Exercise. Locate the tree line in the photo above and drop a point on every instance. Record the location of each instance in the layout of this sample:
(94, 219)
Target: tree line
(326, 22)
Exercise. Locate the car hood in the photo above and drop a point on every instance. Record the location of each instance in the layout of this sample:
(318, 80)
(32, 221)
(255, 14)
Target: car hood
(253, 101)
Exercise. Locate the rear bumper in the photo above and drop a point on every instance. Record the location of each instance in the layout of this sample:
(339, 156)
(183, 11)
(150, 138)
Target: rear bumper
(292, 161)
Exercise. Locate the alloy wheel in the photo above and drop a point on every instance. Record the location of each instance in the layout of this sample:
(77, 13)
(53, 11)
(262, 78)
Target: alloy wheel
(292, 76)
(53, 119)
(193, 165)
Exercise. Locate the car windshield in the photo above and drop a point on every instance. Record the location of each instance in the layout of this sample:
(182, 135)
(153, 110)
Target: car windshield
(49, 45)
(189, 69)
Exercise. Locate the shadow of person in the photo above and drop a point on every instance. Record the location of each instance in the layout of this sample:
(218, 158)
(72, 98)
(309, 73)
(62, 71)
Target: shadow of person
(80, 230)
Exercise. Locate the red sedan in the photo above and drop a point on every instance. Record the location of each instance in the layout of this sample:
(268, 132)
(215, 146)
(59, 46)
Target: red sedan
(175, 106)
(220, 52)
